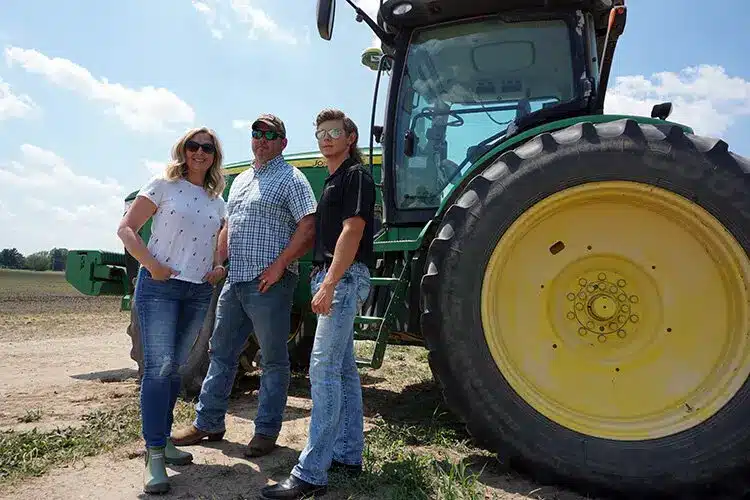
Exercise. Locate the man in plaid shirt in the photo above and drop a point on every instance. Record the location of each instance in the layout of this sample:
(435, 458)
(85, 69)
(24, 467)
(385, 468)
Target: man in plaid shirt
(271, 210)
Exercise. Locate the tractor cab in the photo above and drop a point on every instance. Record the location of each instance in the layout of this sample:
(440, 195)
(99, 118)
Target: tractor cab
(465, 76)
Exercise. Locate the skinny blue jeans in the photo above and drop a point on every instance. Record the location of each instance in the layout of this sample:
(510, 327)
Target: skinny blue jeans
(242, 310)
(170, 315)
(337, 422)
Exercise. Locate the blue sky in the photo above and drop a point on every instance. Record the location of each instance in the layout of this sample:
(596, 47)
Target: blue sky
(93, 97)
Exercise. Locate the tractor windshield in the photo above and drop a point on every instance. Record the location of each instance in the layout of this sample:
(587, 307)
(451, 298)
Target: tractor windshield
(463, 84)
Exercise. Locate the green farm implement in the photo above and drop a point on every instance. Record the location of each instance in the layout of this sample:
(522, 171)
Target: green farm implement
(581, 280)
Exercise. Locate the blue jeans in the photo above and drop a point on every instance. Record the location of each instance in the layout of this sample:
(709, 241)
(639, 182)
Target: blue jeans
(170, 315)
(242, 309)
(337, 422)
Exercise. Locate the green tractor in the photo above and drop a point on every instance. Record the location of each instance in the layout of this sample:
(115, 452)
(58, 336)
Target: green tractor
(580, 280)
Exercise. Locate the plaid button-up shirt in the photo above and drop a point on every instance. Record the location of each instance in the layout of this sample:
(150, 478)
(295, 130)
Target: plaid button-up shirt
(264, 206)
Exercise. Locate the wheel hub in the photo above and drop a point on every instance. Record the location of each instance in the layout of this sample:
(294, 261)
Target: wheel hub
(602, 307)
(606, 308)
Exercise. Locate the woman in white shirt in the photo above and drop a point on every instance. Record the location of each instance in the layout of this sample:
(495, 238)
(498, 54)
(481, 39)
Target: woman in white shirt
(179, 269)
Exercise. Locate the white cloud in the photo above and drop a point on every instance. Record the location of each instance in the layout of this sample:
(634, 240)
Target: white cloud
(14, 105)
(703, 97)
(217, 26)
(247, 16)
(259, 24)
(148, 109)
(154, 167)
(242, 124)
(371, 8)
(47, 204)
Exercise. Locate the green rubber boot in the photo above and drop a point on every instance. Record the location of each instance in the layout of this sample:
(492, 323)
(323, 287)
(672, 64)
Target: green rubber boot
(155, 479)
(173, 456)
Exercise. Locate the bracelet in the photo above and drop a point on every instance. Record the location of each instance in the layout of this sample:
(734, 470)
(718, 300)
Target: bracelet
(222, 268)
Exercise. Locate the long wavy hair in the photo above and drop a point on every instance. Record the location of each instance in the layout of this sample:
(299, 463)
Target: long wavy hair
(214, 181)
(349, 127)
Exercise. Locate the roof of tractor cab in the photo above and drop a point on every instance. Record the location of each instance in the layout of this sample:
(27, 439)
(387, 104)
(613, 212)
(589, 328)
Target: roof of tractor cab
(428, 12)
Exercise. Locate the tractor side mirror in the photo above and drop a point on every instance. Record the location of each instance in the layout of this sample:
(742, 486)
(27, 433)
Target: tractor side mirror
(377, 133)
(326, 12)
(661, 111)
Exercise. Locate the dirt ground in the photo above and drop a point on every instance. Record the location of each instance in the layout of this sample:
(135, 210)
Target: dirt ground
(64, 355)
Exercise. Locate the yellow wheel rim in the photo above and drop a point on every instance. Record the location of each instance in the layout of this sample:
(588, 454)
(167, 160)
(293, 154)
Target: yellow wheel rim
(619, 310)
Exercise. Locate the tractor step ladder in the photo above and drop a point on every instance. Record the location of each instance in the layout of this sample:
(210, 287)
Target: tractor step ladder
(384, 324)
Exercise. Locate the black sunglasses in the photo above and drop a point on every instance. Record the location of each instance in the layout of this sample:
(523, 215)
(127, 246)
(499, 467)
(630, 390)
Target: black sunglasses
(193, 146)
(270, 135)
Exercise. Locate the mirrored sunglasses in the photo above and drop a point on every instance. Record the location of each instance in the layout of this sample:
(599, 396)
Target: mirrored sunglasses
(270, 135)
(334, 133)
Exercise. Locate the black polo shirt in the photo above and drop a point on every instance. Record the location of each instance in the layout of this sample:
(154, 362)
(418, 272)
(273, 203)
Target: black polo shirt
(348, 192)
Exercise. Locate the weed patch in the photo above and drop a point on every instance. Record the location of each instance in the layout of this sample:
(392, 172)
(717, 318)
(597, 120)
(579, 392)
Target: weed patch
(31, 453)
(33, 415)
(396, 466)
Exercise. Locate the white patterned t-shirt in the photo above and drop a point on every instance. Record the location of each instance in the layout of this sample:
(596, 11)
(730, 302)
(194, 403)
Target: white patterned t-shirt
(185, 226)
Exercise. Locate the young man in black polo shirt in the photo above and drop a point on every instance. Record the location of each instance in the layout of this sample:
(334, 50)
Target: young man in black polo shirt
(340, 282)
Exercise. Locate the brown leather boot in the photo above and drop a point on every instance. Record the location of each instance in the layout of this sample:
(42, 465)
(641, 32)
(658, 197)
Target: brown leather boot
(192, 435)
(260, 445)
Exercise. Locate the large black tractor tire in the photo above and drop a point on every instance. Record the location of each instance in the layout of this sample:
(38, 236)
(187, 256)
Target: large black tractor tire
(194, 370)
(476, 386)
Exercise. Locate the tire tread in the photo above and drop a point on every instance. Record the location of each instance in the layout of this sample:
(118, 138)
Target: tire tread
(667, 139)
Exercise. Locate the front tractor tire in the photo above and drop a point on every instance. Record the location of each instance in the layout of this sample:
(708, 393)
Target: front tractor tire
(586, 306)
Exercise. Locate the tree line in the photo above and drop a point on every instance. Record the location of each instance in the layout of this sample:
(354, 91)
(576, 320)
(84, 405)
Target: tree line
(46, 260)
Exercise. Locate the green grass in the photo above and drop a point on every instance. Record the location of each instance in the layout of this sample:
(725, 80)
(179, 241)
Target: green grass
(398, 466)
(399, 458)
(32, 453)
(416, 449)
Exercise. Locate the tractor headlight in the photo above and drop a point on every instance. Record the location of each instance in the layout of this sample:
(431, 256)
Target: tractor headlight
(402, 8)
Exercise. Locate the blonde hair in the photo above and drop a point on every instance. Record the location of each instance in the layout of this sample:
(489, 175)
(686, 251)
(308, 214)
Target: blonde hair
(214, 182)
